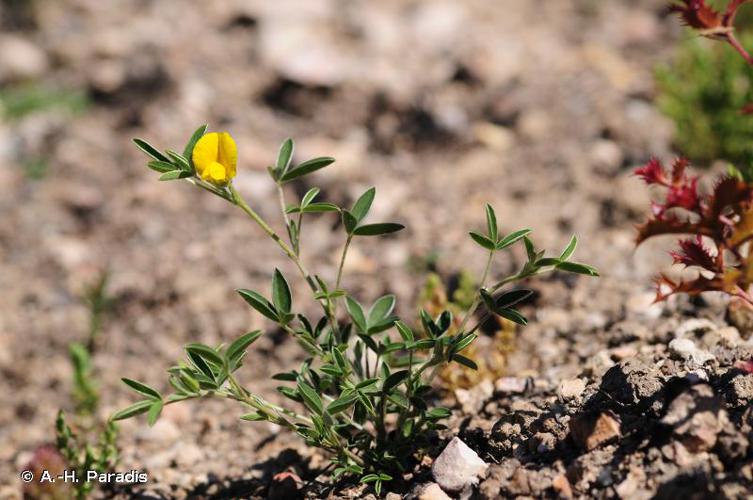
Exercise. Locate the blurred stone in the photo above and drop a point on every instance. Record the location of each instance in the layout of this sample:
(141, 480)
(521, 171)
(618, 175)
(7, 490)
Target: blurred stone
(686, 349)
(472, 400)
(535, 125)
(458, 467)
(571, 389)
(20, 59)
(432, 491)
(740, 315)
(562, 486)
(590, 431)
(606, 155)
(510, 385)
(740, 390)
(697, 416)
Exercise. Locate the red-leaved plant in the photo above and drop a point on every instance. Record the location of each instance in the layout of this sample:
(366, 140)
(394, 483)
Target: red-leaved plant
(718, 221)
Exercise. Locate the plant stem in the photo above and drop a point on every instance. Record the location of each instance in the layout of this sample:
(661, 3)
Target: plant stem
(342, 261)
(735, 43)
(477, 297)
(286, 218)
(238, 200)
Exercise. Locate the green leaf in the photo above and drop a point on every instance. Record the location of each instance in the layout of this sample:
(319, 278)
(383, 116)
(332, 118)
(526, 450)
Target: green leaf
(491, 223)
(179, 160)
(459, 358)
(203, 367)
(342, 404)
(378, 229)
(150, 150)
(356, 313)
(175, 174)
(281, 297)
(154, 412)
(258, 302)
(513, 315)
(141, 388)
(530, 249)
(253, 417)
(513, 238)
(400, 400)
(577, 268)
(309, 196)
(464, 342)
(421, 344)
(548, 261)
(366, 383)
(188, 150)
(283, 158)
(363, 204)
(290, 393)
(206, 353)
(568, 251)
(310, 398)
(438, 413)
(321, 207)
(307, 167)
(482, 240)
(161, 166)
(349, 221)
(382, 308)
(133, 410)
(507, 299)
(239, 345)
(394, 380)
(405, 332)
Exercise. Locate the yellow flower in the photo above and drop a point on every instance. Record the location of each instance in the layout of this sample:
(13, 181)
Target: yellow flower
(215, 157)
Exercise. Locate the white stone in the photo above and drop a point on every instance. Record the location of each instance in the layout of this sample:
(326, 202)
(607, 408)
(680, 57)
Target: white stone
(432, 491)
(457, 467)
(687, 350)
(572, 388)
(21, 59)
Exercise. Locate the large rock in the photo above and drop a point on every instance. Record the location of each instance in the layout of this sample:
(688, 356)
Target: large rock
(458, 467)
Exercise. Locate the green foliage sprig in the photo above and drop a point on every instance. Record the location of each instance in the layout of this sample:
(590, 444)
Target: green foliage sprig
(703, 91)
(83, 457)
(363, 392)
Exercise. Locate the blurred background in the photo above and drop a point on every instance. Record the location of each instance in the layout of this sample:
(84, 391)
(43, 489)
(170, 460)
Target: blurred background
(540, 108)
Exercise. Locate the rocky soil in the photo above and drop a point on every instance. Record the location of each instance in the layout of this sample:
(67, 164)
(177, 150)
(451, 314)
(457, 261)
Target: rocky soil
(540, 108)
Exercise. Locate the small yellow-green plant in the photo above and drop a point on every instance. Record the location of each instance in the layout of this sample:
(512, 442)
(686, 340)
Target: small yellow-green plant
(363, 393)
(491, 356)
(85, 458)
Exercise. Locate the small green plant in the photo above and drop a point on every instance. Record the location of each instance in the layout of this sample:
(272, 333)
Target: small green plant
(24, 99)
(93, 448)
(85, 458)
(85, 387)
(364, 392)
(703, 92)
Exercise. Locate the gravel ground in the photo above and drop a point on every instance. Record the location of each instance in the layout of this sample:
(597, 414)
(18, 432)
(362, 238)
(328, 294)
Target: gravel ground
(541, 110)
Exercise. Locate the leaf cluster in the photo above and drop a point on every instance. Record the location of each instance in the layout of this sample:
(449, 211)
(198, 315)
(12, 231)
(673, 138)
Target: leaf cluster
(82, 457)
(364, 392)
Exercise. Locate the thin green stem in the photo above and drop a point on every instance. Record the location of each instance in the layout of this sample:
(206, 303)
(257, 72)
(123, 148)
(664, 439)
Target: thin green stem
(477, 297)
(238, 200)
(342, 261)
(286, 218)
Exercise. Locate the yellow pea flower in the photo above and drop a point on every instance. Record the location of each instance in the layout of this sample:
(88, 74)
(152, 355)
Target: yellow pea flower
(215, 157)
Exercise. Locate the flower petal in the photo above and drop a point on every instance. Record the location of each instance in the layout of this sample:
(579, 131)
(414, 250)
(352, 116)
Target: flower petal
(228, 153)
(206, 152)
